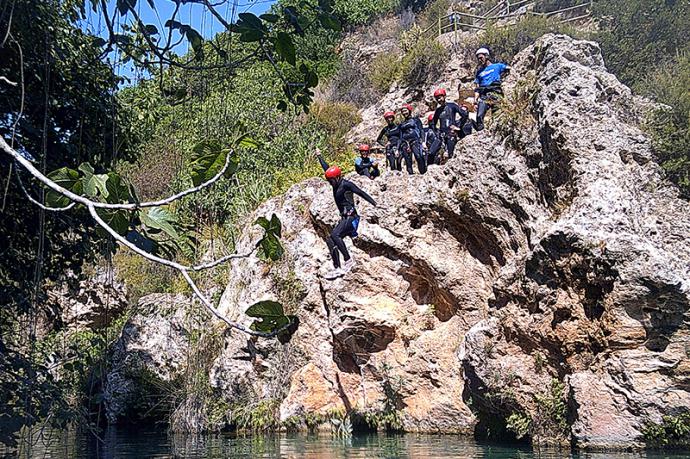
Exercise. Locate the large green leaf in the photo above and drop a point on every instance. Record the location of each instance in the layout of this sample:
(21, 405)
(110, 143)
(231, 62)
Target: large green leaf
(116, 219)
(272, 226)
(66, 178)
(271, 315)
(208, 159)
(159, 218)
(93, 184)
(270, 246)
(285, 47)
(119, 190)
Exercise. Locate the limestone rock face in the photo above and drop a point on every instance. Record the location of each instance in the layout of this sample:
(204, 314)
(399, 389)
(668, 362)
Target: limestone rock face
(89, 303)
(544, 266)
(153, 347)
(601, 300)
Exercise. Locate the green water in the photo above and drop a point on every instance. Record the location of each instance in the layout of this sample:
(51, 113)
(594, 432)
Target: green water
(128, 444)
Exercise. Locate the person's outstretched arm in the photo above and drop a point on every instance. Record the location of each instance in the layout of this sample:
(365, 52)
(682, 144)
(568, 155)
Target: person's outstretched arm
(359, 192)
(323, 163)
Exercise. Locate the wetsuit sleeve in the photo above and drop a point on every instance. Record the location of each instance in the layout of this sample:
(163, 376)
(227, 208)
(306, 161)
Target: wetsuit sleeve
(323, 163)
(359, 192)
(420, 127)
(382, 134)
(437, 113)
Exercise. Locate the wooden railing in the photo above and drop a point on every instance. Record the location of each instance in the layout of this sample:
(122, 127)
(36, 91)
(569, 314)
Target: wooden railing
(504, 10)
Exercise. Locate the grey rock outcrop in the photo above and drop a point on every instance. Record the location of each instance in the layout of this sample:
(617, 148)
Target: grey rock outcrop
(553, 257)
(152, 349)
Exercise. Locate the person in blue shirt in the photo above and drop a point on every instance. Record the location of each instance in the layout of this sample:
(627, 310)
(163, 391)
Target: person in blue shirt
(364, 165)
(488, 81)
(411, 131)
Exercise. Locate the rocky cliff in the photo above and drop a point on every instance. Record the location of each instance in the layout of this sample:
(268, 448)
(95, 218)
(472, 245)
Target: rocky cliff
(540, 279)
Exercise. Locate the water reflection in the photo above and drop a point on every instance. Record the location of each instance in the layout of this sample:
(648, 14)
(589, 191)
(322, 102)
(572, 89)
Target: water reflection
(117, 443)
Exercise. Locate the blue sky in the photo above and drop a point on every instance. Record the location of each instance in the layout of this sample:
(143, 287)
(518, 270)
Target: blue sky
(195, 15)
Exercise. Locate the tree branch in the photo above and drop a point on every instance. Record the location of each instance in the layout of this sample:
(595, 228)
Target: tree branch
(103, 205)
(185, 273)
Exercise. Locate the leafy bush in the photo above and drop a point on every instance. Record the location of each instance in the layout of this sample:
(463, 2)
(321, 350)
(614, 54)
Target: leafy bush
(433, 12)
(424, 62)
(348, 85)
(636, 35)
(504, 42)
(384, 70)
(358, 12)
(673, 431)
(670, 129)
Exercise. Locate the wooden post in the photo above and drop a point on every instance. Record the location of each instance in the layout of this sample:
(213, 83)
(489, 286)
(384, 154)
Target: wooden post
(507, 6)
(440, 31)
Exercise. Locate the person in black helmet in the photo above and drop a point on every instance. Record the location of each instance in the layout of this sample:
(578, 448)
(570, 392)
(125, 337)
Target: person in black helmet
(392, 134)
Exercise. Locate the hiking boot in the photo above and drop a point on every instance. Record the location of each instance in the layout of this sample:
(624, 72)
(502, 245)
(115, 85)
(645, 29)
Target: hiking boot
(334, 273)
(347, 266)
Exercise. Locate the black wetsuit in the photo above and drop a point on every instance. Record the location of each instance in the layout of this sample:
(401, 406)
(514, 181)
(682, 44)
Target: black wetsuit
(428, 140)
(392, 133)
(365, 167)
(447, 115)
(410, 143)
(343, 193)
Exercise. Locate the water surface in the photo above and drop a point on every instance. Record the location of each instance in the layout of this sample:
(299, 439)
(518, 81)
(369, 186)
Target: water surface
(127, 444)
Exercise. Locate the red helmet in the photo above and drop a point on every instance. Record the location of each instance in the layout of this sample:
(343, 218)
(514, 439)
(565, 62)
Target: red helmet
(333, 172)
(408, 106)
(389, 114)
(430, 118)
(439, 92)
(363, 147)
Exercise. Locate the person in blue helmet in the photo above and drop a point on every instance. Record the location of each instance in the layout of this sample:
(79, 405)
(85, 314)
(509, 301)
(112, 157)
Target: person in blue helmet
(488, 80)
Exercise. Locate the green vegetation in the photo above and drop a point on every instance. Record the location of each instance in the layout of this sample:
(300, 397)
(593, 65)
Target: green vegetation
(672, 432)
(506, 41)
(384, 71)
(549, 423)
(645, 43)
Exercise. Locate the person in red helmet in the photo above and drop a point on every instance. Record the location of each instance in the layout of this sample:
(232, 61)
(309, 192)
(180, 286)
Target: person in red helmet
(410, 142)
(448, 121)
(392, 134)
(343, 193)
(364, 165)
(428, 138)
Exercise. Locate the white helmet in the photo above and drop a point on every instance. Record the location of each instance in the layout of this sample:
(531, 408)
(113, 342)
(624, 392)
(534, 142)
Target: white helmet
(482, 51)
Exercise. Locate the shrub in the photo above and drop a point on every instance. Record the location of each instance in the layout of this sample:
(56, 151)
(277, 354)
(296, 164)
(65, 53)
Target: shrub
(433, 12)
(141, 276)
(504, 42)
(424, 62)
(674, 431)
(358, 12)
(384, 70)
(347, 85)
(670, 129)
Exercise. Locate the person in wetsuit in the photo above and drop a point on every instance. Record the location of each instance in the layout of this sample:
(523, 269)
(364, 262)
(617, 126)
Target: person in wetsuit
(428, 138)
(343, 193)
(488, 81)
(392, 134)
(410, 142)
(364, 165)
(448, 121)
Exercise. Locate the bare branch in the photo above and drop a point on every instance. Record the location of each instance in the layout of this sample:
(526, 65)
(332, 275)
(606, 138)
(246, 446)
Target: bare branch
(103, 205)
(185, 273)
(5, 80)
(34, 201)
